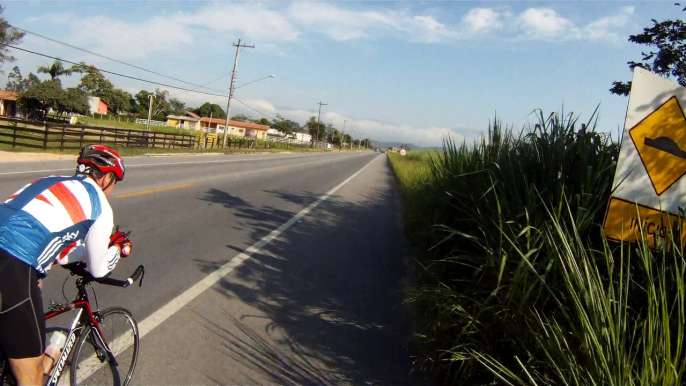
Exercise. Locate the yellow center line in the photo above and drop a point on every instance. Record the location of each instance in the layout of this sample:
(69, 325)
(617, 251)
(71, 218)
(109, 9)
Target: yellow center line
(150, 191)
(279, 169)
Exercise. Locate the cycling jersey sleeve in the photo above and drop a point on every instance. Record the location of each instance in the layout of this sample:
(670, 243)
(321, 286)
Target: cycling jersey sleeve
(101, 259)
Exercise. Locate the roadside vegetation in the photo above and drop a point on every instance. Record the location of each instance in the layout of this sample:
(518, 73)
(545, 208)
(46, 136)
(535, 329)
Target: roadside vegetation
(515, 282)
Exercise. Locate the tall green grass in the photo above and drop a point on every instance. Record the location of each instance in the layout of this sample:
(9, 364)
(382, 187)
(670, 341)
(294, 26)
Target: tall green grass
(516, 284)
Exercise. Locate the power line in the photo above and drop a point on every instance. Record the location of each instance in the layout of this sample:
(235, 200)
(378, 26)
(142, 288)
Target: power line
(112, 59)
(117, 74)
(183, 92)
(148, 81)
(252, 108)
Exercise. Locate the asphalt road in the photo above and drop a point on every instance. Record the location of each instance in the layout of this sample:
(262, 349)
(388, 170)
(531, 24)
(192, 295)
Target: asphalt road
(260, 269)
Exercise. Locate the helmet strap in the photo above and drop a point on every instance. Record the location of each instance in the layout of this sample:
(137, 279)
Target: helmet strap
(112, 181)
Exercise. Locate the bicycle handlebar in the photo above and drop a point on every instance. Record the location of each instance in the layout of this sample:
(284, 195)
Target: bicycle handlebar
(79, 269)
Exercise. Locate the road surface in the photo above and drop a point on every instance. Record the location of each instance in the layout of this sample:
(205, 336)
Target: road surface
(260, 269)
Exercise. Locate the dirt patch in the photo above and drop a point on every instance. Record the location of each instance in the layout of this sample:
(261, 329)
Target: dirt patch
(10, 156)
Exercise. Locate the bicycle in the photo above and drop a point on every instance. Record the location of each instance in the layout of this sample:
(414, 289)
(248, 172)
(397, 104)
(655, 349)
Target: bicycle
(94, 353)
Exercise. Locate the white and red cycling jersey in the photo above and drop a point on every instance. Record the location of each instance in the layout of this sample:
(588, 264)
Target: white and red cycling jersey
(59, 219)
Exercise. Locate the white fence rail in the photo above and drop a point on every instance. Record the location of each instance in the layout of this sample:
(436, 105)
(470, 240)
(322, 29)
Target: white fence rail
(152, 123)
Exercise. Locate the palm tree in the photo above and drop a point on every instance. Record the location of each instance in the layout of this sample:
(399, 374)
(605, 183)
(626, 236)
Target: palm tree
(83, 68)
(55, 70)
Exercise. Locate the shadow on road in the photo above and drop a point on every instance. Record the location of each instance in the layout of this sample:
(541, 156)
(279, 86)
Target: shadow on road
(330, 289)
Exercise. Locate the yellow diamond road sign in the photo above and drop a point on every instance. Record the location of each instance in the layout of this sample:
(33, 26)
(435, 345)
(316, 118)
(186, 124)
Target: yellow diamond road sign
(660, 139)
(649, 185)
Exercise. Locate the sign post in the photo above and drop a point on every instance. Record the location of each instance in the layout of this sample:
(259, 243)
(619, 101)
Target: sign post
(649, 185)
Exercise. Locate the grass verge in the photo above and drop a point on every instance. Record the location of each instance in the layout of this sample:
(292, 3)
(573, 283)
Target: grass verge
(515, 282)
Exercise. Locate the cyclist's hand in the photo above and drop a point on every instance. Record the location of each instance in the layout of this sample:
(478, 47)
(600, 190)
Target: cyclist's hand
(122, 241)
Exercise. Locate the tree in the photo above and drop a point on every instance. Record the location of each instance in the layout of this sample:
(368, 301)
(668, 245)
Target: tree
(212, 109)
(335, 136)
(177, 107)
(316, 129)
(119, 100)
(72, 100)
(83, 68)
(160, 104)
(8, 36)
(16, 82)
(30, 81)
(667, 56)
(142, 101)
(285, 126)
(133, 104)
(39, 98)
(240, 118)
(331, 133)
(55, 70)
(93, 82)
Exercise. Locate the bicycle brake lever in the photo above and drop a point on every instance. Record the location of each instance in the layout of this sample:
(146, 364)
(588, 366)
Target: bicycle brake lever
(140, 283)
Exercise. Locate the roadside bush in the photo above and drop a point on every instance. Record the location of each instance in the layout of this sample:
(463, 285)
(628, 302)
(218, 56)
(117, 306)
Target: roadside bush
(515, 281)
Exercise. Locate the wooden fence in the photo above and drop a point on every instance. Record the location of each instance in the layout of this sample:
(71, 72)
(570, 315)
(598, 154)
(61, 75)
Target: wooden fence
(63, 136)
(48, 136)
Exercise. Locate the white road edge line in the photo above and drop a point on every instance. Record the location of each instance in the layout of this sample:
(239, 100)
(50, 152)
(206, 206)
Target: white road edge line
(159, 164)
(169, 309)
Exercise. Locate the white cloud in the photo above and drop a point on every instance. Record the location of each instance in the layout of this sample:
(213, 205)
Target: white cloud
(482, 20)
(124, 40)
(605, 28)
(251, 20)
(343, 24)
(338, 23)
(271, 26)
(429, 30)
(55, 18)
(546, 24)
(179, 32)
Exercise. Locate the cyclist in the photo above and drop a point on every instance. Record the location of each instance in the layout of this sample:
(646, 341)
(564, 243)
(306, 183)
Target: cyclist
(55, 219)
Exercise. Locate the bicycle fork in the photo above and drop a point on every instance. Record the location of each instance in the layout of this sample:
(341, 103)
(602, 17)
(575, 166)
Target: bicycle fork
(68, 347)
(101, 348)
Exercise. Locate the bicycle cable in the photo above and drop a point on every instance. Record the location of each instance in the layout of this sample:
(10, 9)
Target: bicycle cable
(63, 294)
(95, 296)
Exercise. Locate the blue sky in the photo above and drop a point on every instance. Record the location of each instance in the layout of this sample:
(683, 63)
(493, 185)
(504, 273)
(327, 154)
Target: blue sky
(396, 71)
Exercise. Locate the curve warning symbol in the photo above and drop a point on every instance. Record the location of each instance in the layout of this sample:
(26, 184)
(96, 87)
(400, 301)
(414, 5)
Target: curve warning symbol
(665, 144)
(660, 139)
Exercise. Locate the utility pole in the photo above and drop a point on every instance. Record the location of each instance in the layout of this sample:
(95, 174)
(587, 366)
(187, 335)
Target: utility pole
(352, 139)
(233, 83)
(320, 113)
(151, 96)
(342, 135)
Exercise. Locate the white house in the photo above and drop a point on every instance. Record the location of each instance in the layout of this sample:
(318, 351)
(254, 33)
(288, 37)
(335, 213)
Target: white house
(98, 105)
(303, 137)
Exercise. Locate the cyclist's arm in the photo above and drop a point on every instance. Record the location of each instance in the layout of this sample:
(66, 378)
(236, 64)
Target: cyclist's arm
(101, 258)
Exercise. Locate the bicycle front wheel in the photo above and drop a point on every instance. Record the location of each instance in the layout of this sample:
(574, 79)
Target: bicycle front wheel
(91, 364)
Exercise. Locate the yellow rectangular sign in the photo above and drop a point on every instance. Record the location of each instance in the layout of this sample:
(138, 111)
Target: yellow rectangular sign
(626, 220)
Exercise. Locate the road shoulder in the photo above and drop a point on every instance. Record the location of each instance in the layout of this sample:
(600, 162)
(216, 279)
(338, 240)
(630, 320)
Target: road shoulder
(321, 304)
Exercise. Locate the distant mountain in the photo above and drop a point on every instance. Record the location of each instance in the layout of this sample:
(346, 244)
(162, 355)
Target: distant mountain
(385, 145)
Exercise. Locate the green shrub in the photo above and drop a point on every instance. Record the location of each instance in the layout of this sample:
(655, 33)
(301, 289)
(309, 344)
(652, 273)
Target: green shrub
(500, 230)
